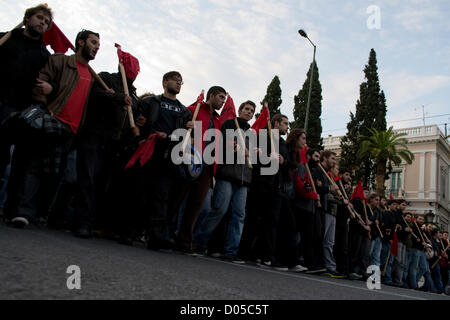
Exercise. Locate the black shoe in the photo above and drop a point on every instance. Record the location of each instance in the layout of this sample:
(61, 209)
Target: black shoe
(160, 245)
(84, 233)
(126, 241)
(185, 251)
(354, 276)
(233, 259)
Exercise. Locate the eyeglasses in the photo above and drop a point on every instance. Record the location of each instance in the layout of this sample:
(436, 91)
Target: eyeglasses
(177, 80)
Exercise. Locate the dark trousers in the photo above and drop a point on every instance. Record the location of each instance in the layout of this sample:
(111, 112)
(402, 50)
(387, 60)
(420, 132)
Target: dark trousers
(288, 248)
(30, 190)
(198, 190)
(260, 227)
(93, 172)
(158, 183)
(341, 246)
(312, 238)
(359, 250)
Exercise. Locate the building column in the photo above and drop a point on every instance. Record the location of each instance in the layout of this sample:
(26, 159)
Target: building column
(433, 177)
(422, 176)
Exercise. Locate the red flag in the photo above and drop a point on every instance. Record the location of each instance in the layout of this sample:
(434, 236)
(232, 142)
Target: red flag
(228, 111)
(394, 247)
(144, 152)
(303, 151)
(391, 197)
(129, 62)
(57, 40)
(262, 120)
(200, 99)
(337, 178)
(358, 193)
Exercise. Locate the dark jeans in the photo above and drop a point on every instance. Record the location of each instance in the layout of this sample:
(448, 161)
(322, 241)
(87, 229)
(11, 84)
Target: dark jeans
(260, 226)
(359, 250)
(288, 245)
(198, 190)
(30, 190)
(94, 155)
(341, 246)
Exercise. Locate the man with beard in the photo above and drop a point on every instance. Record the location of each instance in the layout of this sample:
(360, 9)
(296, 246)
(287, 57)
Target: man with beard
(21, 58)
(342, 229)
(305, 205)
(164, 114)
(264, 204)
(44, 153)
(107, 127)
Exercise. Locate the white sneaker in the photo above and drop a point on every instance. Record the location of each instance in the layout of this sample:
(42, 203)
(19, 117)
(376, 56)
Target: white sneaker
(20, 222)
(298, 268)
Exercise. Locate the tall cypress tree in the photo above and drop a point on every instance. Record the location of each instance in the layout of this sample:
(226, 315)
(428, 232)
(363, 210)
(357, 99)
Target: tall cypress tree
(314, 133)
(370, 113)
(273, 97)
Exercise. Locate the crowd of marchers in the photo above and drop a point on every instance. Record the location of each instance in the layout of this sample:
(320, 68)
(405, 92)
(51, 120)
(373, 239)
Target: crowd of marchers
(82, 152)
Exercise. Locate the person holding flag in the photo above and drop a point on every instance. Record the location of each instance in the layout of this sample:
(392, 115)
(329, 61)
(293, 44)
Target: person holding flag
(22, 55)
(61, 97)
(163, 115)
(389, 249)
(232, 182)
(105, 131)
(265, 199)
(359, 234)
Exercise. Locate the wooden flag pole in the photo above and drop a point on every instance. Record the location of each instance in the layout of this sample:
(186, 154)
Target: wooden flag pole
(409, 227)
(442, 254)
(420, 232)
(319, 204)
(134, 129)
(194, 118)
(346, 198)
(367, 217)
(377, 224)
(8, 35)
(241, 137)
(386, 264)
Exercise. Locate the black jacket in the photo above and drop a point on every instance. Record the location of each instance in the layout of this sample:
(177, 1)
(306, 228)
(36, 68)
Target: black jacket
(21, 58)
(388, 225)
(239, 174)
(150, 108)
(107, 114)
(323, 190)
(270, 183)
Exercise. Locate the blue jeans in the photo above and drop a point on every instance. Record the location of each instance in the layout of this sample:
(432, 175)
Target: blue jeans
(375, 252)
(424, 270)
(436, 276)
(226, 196)
(385, 250)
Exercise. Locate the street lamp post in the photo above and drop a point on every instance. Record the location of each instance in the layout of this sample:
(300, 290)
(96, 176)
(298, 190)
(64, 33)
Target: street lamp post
(304, 35)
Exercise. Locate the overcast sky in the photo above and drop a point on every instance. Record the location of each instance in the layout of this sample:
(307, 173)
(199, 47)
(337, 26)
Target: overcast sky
(242, 45)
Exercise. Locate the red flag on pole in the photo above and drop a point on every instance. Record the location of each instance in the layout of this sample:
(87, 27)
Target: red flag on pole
(200, 99)
(56, 39)
(303, 151)
(144, 152)
(358, 193)
(228, 111)
(391, 197)
(394, 247)
(130, 63)
(262, 120)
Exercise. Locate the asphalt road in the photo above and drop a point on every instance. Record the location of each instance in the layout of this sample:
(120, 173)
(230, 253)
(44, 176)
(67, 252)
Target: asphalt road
(34, 262)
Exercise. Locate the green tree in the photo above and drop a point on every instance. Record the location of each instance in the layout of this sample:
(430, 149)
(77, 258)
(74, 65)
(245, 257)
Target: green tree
(273, 97)
(370, 114)
(385, 148)
(314, 133)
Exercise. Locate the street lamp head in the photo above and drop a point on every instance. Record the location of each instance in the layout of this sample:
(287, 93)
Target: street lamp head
(303, 33)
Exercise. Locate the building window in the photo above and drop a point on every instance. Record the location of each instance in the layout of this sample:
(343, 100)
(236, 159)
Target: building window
(396, 182)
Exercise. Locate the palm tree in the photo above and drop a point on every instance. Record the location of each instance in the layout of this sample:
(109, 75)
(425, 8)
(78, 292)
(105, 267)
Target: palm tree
(384, 147)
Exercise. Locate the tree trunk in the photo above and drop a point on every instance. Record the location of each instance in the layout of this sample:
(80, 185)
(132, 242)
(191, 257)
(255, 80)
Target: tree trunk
(381, 176)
